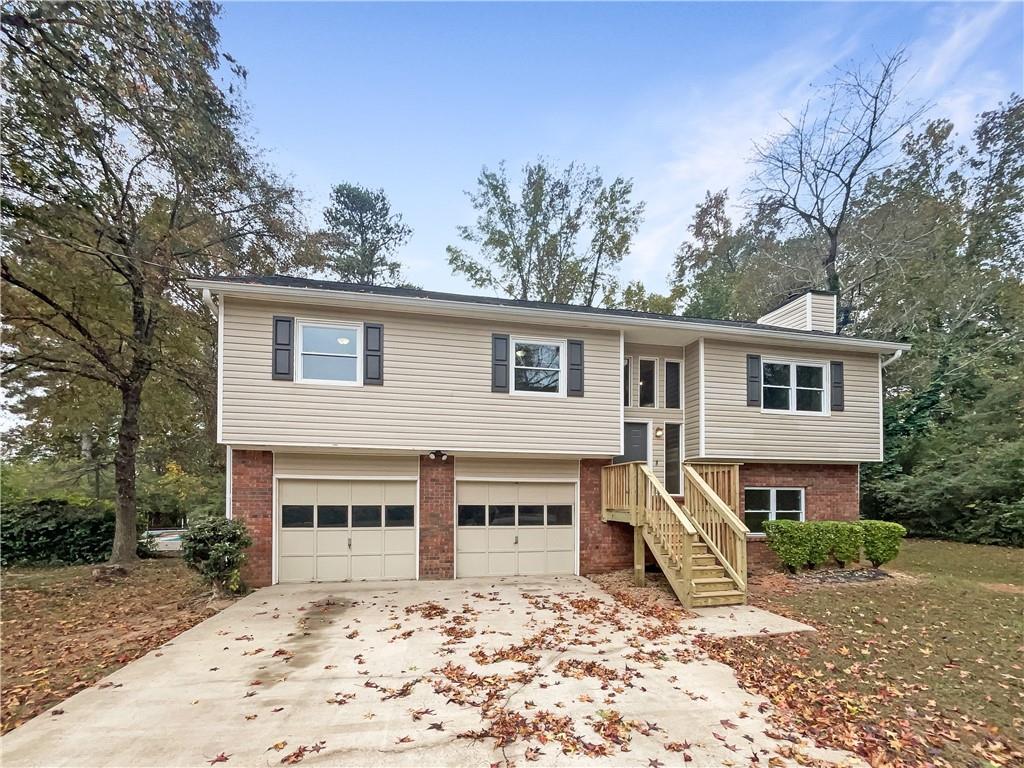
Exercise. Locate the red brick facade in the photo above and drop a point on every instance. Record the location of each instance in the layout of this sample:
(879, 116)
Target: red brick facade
(252, 502)
(437, 509)
(603, 546)
(831, 492)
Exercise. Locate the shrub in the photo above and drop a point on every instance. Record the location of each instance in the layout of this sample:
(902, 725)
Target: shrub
(216, 549)
(788, 540)
(818, 536)
(881, 540)
(846, 541)
(65, 530)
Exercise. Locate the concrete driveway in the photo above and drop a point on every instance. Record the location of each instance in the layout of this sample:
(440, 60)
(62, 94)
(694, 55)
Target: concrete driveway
(551, 671)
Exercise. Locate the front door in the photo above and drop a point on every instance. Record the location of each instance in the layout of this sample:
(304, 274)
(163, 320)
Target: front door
(634, 442)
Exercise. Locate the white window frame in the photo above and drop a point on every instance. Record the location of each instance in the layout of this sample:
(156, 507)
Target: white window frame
(639, 380)
(772, 490)
(792, 410)
(682, 388)
(628, 381)
(357, 327)
(560, 343)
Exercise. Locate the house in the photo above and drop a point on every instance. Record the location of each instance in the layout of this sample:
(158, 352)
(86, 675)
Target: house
(391, 433)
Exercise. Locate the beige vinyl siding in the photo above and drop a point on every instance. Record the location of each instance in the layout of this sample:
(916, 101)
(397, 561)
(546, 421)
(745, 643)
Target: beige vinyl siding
(436, 392)
(691, 400)
(343, 465)
(792, 314)
(659, 415)
(470, 467)
(823, 312)
(738, 431)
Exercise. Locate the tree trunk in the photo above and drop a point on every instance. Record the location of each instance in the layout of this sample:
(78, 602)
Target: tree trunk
(125, 550)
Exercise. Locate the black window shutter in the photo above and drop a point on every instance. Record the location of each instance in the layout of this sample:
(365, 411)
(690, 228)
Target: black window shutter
(838, 396)
(373, 353)
(499, 362)
(754, 380)
(281, 361)
(575, 378)
(672, 385)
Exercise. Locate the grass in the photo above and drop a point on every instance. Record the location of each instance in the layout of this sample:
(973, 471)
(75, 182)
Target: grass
(923, 667)
(63, 630)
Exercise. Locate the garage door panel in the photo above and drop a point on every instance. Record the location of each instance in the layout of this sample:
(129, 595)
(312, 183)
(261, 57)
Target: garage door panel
(561, 563)
(294, 541)
(399, 566)
(532, 539)
(471, 563)
(296, 569)
(333, 542)
(331, 568)
(367, 566)
(560, 494)
(560, 538)
(398, 492)
(501, 563)
(399, 542)
(533, 493)
(367, 542)
(501, 539)
(369, 492)
(472, 540)
(472, 493)
(532, 563)
(502, 493)
(335, 492)
(298, 492)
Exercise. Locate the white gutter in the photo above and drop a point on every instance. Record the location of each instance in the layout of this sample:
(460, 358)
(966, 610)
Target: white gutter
(895, 356)
(583, 319)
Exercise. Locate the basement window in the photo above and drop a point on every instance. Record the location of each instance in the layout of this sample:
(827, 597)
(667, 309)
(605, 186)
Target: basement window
(763, 504)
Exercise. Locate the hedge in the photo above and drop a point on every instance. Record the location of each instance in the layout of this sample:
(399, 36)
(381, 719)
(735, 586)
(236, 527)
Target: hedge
(69, 530)
(216, 549)
(881, 540)
(811, 544)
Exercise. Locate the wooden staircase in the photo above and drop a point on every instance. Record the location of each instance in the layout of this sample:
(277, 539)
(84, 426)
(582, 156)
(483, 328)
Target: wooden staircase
(699, 546)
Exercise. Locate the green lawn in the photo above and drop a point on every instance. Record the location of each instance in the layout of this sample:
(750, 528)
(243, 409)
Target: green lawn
(922, 667)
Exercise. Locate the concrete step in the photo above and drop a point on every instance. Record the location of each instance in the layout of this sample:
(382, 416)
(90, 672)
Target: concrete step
(723, 597)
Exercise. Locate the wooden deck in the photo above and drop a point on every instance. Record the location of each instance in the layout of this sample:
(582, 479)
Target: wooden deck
(700, 546)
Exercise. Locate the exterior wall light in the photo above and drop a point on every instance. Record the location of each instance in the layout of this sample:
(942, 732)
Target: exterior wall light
(435, 455)
(659, 431)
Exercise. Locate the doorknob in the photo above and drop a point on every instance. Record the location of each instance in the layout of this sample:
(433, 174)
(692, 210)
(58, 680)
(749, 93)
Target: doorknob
(517, 540)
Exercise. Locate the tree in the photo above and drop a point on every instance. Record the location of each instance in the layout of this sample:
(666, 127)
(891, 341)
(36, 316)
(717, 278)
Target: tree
(810, 175)
(560, 237)
(636, 297)
(122, 174)
(362, 236)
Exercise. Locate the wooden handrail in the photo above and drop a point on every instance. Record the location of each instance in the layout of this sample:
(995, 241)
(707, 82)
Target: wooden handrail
(719, 527)
(657, 491)
(724, 480)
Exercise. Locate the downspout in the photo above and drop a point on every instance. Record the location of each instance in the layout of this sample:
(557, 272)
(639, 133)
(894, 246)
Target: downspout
(209, 302)
(896, 356)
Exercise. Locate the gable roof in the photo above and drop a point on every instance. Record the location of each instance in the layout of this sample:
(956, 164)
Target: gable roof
(413, 298)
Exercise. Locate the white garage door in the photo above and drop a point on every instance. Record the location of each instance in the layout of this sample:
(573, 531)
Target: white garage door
(509, 529)
(337, 530)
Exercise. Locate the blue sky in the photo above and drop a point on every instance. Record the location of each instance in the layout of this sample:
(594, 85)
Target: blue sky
(415, 98)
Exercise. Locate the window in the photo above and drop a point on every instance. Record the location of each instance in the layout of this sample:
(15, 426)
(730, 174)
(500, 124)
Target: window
(763, 504)
(296, 515)
(648, 383)
(329, 353)
(501, 514)
(398, 516)
(331, 516)
(673, 385)
(366, 516)
(793, 387)
(559, 514)
(538, 367)
(627, 381)
(531, 514)
(471, 514)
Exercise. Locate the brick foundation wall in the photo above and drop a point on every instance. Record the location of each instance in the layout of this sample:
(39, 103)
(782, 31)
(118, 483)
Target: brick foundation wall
(831, 492)
(437, 505)
(603, 546)
(252, 502)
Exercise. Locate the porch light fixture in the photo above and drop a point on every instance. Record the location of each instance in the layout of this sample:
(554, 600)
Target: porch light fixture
(659, 431)
(435, 455)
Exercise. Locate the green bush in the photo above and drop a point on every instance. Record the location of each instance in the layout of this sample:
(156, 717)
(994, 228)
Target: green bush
(216, 549)
(881, 540)
(788, 540)
(818, 536)
(67, 530)
(846, 541)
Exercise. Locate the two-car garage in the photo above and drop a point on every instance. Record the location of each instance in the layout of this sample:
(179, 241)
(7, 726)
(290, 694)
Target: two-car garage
(358, 517)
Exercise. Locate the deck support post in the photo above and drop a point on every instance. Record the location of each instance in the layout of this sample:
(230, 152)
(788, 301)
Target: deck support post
(639, 571)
